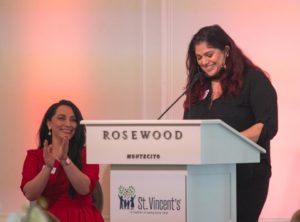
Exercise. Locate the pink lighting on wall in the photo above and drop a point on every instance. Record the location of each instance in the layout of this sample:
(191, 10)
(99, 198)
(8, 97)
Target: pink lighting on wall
(54, 44)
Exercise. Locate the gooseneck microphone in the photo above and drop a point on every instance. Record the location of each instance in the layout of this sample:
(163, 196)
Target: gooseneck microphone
(196, 78)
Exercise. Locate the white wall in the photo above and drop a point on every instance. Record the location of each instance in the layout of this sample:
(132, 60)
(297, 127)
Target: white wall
(125, 60)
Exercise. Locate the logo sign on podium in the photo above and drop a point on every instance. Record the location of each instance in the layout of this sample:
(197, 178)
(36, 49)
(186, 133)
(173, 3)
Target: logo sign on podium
(142, 142)
(147, 196)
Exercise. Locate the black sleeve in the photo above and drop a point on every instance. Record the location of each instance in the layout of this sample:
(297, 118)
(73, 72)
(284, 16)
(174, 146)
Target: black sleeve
(186, 114)
(263, 101)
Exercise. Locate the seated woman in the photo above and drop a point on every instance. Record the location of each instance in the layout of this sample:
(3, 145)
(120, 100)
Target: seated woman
(57, 169)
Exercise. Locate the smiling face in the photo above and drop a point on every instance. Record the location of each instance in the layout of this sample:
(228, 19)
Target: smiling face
(63, 124)
(210, 59)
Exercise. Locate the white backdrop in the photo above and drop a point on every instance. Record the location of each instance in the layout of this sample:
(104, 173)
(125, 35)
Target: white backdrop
(125, 60)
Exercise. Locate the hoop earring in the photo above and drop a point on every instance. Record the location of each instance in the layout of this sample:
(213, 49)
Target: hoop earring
(49, 132)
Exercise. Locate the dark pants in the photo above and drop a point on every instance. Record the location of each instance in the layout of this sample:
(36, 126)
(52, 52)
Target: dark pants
(252, 190)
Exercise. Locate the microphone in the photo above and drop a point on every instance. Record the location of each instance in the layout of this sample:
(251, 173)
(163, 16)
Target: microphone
(196, 78)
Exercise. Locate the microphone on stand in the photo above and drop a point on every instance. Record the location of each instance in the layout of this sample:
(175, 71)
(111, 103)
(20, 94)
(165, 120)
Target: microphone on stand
(196, 78)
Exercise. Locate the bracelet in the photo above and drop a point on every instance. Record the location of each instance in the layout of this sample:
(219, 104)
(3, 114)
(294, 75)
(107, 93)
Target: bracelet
(66, 162)
(52, 169)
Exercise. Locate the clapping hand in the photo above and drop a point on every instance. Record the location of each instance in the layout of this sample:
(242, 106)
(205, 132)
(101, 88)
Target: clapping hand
(63, 149)
(48, 154)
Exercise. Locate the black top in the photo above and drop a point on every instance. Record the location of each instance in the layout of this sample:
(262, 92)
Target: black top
(256, 103)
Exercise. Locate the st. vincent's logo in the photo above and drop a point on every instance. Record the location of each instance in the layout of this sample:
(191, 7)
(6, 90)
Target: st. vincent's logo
(126, 196)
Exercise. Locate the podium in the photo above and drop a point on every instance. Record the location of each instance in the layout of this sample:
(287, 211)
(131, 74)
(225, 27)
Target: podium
(170, 170)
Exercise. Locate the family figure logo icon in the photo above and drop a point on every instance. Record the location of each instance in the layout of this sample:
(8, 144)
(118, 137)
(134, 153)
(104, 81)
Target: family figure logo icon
(126, 196)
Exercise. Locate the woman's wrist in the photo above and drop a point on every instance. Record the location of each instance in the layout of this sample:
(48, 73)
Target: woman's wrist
(52, 169)
(65, 161)
(47, 167)
(49, 164)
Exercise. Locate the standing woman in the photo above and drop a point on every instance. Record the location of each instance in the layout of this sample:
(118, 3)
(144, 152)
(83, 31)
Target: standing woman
(232, 88)
(57, 169)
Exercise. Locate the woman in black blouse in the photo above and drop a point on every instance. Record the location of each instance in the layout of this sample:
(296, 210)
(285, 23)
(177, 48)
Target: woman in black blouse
(233, 89)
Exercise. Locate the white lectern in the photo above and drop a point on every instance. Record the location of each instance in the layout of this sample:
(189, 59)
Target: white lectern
(172, 170)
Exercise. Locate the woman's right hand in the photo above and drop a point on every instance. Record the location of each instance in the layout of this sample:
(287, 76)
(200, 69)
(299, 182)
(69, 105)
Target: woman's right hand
(47, 154)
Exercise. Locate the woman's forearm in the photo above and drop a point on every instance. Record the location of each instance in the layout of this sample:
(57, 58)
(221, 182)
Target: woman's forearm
(253, 132)
(79, 180)
(34, 188)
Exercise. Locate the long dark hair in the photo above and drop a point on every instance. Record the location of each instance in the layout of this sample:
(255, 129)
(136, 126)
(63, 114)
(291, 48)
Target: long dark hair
(76, 142)
(236, 64)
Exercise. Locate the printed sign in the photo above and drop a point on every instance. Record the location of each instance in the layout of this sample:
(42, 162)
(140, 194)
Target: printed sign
(147, 196)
